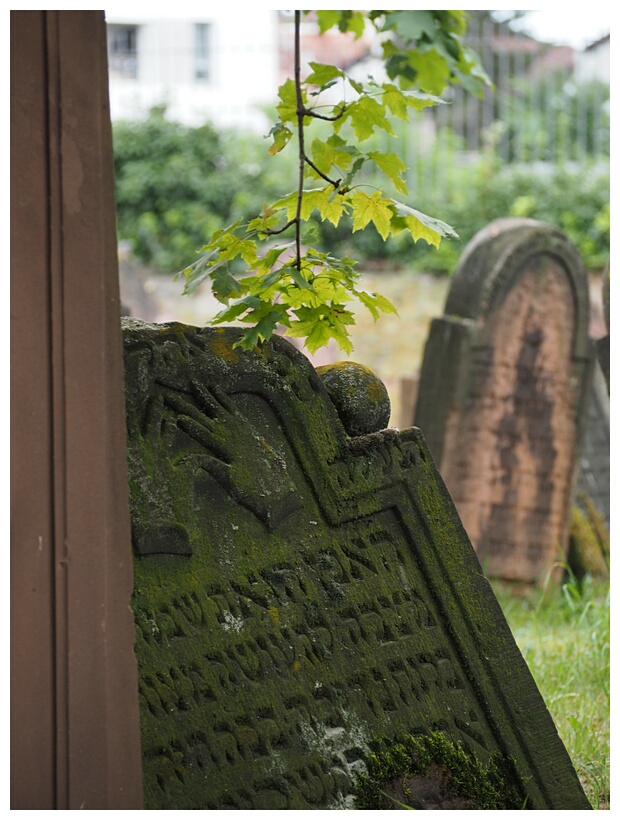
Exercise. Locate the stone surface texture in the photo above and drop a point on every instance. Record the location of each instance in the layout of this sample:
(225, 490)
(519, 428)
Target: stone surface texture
(299, 591)
(360, 398)
(502, 393)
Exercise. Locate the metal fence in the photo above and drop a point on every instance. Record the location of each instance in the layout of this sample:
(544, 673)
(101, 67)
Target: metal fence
(541, 111)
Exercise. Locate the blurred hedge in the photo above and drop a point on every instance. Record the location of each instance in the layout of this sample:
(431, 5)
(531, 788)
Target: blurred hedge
(175, 186)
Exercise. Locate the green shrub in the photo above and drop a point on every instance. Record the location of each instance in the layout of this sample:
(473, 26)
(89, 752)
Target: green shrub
(575, 199)
(176, 185)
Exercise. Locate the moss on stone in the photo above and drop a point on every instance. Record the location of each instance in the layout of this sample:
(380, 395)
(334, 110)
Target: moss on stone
(222, 347)
(588, 552)
(431, 771)
(359, 396)
(270, 655)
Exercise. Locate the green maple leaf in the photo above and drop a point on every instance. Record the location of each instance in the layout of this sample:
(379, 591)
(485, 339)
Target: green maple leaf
(230, 314)
(235, 310)
(327, 19)
(432, 70)
(373, 208)
(333, 151)
(264, 327)
(289, 202)
(281, 137)
(330, 207)
(318, 337)
(419, 225)
(197, 272)
(320, 323)
(287, 108)
(329, 290)
(319, 198)
(355, 23)
(320, 334)
(366, 114)
(392, 166)
(297, 277)
(224, 285)
(420, 99)
(384, 304)
(457, 21)
(271, 257)
(305, 319)
(297, 298)
(232, 246)
(412, 25)
(310, 234)
(313, 198)
(264, 222)
(323, 75)
(375, 303)
(396, 101)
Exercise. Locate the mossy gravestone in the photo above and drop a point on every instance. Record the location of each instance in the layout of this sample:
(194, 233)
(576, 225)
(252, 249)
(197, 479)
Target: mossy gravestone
(502, 393)
(303, 596)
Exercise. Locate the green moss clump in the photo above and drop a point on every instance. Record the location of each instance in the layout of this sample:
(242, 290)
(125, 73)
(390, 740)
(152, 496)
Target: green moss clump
(588, 552)
(394, 770)
(359, 396)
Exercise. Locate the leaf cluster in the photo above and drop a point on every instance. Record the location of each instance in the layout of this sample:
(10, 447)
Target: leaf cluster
(286, 281)
(575, 199)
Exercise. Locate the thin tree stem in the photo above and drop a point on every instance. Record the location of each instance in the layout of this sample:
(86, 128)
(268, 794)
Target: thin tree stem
(335, 183)
(272, 232)
(311, 112)
(300, 129)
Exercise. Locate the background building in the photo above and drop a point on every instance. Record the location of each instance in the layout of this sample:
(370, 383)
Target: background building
(197, 67)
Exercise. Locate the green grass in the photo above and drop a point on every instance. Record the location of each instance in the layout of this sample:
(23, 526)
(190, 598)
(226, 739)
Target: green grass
(563, 634)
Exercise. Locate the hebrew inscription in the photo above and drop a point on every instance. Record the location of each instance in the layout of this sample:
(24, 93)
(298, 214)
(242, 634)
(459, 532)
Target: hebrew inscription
(299, 592)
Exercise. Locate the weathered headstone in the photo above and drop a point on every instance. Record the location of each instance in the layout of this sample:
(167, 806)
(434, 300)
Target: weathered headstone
(593, 479)
(300, 592)
(589, 543)
(602, 345)
(502, 388)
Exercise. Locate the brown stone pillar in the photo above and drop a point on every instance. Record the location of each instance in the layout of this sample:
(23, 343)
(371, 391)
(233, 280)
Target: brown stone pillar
(74, 705)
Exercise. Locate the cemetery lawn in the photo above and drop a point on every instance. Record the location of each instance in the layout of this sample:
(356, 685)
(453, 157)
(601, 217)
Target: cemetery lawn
(563, 634)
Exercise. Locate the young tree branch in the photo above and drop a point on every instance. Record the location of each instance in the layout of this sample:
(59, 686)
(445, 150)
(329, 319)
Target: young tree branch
(272, 232)
(311, 113)
(324, 176)
(300, 129)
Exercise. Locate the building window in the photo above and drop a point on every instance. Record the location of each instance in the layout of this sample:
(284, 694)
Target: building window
(123, 51)
(203, 51)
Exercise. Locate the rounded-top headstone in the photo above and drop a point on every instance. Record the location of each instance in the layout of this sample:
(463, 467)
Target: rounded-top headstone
(359, 396)
(495, 261)
(502, 393)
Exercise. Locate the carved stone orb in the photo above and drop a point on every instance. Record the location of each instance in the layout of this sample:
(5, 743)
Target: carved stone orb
(360, 398)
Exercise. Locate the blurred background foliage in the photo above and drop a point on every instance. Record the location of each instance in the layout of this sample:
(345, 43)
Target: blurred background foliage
(535, 145)
(176, 185)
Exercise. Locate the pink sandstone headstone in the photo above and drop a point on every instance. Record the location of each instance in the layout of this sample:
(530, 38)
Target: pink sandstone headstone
(502, 391)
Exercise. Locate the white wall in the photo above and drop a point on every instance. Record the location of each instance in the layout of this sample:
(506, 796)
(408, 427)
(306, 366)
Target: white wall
(593, 63)
(244, 68)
